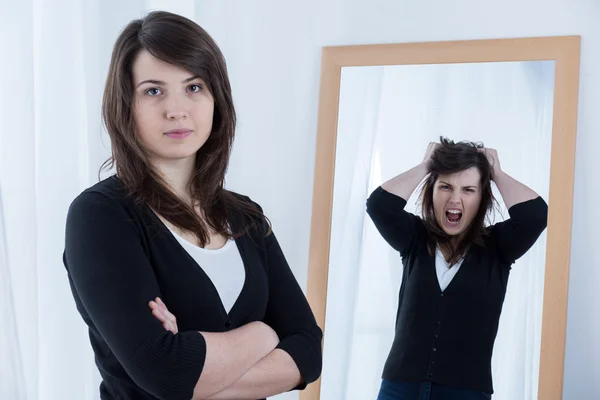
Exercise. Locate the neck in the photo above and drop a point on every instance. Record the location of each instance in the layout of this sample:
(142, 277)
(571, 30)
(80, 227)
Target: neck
(177, 174)
(449, 246)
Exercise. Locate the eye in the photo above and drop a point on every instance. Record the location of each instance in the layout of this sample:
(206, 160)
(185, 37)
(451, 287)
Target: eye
(470, 190)
(195, 88)
(444, 187)
(153, 91)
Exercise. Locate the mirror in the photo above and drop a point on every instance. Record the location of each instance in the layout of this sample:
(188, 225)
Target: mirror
(385, 116)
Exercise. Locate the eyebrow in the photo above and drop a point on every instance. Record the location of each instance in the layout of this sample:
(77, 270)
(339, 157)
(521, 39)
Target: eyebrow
(155, 82)
(464, 187)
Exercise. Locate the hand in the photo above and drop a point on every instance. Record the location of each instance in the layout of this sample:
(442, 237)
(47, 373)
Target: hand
(160, 311)
(428, 153)
(492, 156)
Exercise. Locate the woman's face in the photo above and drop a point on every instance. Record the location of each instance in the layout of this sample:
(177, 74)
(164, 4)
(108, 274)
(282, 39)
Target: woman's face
(456, 199)
(173, 109)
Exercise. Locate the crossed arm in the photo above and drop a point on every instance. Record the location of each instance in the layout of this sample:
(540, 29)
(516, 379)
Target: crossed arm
(275, 372)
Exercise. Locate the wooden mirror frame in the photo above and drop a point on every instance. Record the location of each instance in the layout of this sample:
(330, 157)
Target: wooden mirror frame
(565, 51)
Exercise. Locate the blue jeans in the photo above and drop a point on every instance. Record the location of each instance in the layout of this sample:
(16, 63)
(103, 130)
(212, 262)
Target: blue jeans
(426, 391)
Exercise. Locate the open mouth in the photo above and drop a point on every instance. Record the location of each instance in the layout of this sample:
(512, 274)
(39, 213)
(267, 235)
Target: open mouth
(453, 217)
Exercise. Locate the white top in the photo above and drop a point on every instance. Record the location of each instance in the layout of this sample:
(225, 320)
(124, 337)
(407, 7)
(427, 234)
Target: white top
(223, 266)
(445, 274)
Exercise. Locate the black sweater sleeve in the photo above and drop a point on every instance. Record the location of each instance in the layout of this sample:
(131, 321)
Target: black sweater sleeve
(289, 314)
(112, 278)
(516, 235)
(396, 225)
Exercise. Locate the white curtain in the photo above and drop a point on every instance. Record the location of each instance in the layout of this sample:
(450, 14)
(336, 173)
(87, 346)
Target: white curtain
(507, 106)
(11, 370)
(55, 56)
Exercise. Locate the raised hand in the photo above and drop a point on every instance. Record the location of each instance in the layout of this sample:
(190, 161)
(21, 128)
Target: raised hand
(160, 311)
(428, 153)
(492, 156)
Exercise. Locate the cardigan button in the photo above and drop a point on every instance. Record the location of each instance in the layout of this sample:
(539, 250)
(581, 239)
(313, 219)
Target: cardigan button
(228, 324)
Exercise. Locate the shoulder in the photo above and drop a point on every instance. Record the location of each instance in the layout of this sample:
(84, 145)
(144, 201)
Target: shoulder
(243, 203)
(106, 198)
(104, 217)
(111, 188)
(242, 198)
(246, 214)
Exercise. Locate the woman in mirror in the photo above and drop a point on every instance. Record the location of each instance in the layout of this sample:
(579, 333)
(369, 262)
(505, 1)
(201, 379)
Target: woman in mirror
(164, 231)
(455, 269)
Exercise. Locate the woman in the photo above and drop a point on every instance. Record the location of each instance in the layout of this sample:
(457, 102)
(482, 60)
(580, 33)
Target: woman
(455, 269)
(165, 231)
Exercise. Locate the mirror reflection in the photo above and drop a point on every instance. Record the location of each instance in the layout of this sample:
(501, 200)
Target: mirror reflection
(429, 289)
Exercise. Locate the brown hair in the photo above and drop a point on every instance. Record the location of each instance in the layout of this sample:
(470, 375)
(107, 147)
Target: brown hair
(449, 158)
(181, 42)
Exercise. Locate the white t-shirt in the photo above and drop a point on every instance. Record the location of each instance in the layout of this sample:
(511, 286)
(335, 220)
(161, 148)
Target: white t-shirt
(445, 274)
(223, 266)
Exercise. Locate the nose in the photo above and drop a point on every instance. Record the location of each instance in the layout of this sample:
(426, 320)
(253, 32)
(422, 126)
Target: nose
(455, 197)
(175, 110)
(176, 115)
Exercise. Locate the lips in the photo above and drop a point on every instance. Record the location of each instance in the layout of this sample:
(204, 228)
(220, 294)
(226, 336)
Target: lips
(178, 133)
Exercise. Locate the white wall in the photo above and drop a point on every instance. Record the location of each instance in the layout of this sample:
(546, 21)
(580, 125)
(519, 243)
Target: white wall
(273, 51)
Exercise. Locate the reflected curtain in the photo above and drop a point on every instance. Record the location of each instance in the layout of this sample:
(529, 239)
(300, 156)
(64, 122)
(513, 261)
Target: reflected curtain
(358, 120)
(507, 106)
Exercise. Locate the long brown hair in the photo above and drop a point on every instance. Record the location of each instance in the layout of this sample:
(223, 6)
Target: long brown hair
(449, 158)
(181, 42)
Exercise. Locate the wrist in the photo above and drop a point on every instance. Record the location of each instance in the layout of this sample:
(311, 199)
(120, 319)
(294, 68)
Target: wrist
(425, 166)
(497, 173)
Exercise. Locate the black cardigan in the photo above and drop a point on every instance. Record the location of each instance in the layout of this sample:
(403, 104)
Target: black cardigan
(119, 256)
(448, 337)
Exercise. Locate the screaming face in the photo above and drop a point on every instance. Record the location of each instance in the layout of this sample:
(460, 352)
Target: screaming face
(456, 199)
